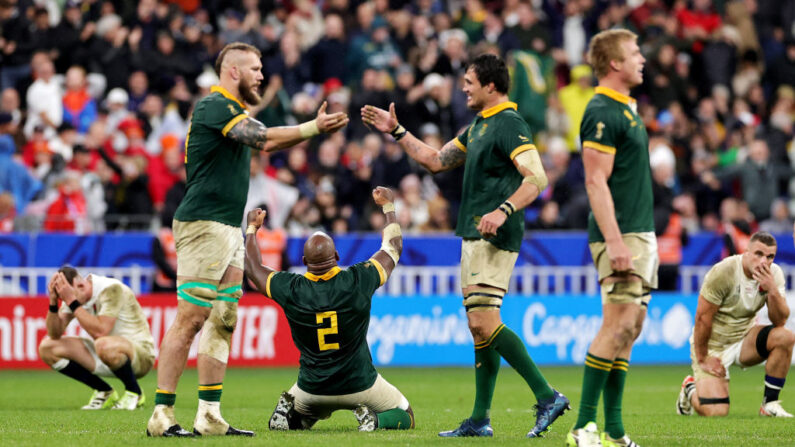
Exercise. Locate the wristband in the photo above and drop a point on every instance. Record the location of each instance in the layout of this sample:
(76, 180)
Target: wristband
(507, 208)
(74, 305)
(251, 229)
(309, 129)
(389, 207)
(53, 308)
(398, 132)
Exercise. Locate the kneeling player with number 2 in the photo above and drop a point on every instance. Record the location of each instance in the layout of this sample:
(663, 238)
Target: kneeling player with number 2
(328, 310)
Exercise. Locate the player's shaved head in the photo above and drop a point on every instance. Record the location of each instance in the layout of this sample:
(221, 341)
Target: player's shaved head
(319, 250)
(233, 55)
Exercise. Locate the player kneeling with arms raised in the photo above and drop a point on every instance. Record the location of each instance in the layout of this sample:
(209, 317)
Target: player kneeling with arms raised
(121, 344)
(726, 332)
(328, 310)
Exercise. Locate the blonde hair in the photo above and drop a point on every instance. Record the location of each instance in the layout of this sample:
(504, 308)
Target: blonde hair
(606, 47)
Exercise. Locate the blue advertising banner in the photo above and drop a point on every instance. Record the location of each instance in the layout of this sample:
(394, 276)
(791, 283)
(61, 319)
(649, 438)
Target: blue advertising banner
(432, 330)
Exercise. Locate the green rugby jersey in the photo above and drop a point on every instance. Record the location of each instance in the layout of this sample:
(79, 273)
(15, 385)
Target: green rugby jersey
(329, 316)
(495, 137)
(217, 167)
(612, 125)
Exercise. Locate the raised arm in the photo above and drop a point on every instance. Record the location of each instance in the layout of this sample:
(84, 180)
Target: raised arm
(450, 156)
(96, 325)
(392, 243)
(255, 271)
(253, 133)
(56, 321)
(598, 168)
(777, 308)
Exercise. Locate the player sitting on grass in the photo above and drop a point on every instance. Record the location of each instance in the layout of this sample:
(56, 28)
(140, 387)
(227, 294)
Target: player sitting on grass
(726, 332)
(328, 310)
(121, 344)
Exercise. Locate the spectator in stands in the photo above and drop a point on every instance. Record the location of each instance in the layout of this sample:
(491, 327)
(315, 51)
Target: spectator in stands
(79, 108)
(574, 97)
(10, 103)
(132, 202)
(109, 52)
(7, 212)
(323, 58)
(14, 177)
(779, 221)
(548, 218)
(43, 97)
(759, 178)
(390, 166)
(68, 211)
(411, 208)
(15, 48)
(438, 217)
(530, 31)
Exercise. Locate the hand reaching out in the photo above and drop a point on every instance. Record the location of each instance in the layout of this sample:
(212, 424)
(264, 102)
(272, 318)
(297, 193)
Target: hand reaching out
(382, 120)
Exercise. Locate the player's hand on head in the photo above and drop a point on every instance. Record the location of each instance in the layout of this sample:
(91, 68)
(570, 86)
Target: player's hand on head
(330, 122)
(380, 119)
(64, 289)
(383, 195)
(620, 256)
(490, 223)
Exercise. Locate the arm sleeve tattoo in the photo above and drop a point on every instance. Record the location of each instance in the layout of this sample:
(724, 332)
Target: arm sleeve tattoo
(249, 132)
(451, 156)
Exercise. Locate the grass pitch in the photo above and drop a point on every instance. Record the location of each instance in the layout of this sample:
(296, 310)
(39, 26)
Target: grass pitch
(41, 408)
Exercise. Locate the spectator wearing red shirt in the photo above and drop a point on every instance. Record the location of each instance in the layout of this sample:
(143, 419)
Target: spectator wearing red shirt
(68, 211)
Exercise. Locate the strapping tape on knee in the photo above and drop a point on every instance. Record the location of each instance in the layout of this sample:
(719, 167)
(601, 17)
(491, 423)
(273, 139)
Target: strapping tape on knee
(230, 292)
(198, 293)
(623, 291)
(713, 400)
(481, 299)
(217, 331)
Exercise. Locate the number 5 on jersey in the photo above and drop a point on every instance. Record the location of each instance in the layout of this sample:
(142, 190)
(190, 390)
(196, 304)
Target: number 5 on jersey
(324, 331)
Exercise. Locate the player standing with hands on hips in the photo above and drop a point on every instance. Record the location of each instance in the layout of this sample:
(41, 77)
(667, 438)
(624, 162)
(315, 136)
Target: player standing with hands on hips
(502, 175)
(208, 237)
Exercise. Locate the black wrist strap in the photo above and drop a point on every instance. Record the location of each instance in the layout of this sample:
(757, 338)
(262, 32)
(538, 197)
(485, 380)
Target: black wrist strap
(53, 308)
(74, 305)
(398, 132)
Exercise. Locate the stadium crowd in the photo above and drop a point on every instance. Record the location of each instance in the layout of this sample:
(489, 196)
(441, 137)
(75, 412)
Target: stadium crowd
(96, 99)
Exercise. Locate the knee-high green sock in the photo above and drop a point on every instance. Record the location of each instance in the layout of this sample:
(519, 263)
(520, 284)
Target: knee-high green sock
(487, 365)
(511, 348)
(613, 394)
(394, 419)
(593, 382)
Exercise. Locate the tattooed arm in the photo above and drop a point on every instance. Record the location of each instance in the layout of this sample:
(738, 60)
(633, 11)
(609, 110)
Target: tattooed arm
(253, 133)
(434, 160)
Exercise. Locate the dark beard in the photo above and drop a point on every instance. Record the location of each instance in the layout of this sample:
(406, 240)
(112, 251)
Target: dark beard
(249, 97)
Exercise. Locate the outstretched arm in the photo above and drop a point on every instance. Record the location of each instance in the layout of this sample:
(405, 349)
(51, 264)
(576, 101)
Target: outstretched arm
(450, 156)
(253, 133)
(255, 271)
(392, 245)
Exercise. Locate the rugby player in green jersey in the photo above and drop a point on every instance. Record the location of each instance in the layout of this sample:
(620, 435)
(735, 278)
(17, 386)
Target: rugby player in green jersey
(615, 152)
(208, 236)
(502, 175)
(328, 310)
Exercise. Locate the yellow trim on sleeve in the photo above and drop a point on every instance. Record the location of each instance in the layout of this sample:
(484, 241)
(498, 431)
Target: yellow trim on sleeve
(522, 148)
(210, 387)
(381, 270)
(491, 111)
(599, 147)
(325, 277)
(232, 123)
(459, 145)
(268, 286)
(225, 93)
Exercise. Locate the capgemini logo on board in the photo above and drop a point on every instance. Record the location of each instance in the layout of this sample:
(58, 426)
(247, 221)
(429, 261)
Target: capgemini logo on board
(572, 334)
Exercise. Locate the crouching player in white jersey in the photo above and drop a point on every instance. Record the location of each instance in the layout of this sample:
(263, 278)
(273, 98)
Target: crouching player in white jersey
(726, 332)
(121, 344)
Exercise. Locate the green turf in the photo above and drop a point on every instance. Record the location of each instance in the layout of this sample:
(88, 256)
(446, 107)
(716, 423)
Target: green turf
(40, 408)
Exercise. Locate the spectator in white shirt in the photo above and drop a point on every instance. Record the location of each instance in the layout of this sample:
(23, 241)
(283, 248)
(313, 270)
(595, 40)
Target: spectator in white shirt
(44, 98)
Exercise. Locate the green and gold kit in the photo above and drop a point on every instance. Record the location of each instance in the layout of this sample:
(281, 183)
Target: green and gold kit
(329, 316)
(217, 167)
(495, 137)
(611, 125)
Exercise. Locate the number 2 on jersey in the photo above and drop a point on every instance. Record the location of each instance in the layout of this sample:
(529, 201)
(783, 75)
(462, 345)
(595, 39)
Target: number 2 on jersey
(331, 330)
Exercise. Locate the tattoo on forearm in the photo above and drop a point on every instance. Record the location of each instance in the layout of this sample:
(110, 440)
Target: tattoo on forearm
(451, 156)
(249, 132)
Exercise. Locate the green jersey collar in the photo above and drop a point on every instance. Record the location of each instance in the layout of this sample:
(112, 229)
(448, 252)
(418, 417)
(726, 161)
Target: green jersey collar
(227, 95)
